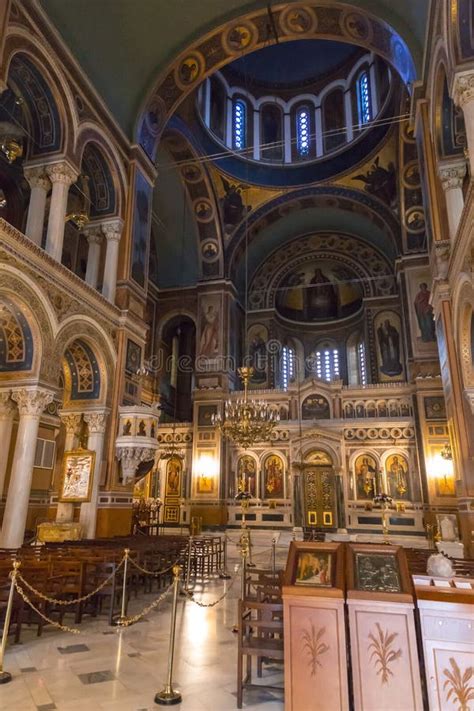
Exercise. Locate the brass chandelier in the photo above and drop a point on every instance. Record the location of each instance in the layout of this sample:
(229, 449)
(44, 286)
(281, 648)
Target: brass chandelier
(245, 421)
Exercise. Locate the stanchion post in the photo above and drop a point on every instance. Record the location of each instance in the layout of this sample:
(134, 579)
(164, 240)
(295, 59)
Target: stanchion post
(188, 565)
(123, 609)
(169, 696)
(244, 549)
(5, 676)
(273, 555)
(224, 575)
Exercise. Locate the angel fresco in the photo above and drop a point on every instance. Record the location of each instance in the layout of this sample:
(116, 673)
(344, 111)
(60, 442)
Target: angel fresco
(233, 207)
(380, 182)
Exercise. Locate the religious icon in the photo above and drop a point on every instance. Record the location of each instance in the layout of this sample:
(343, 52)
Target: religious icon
(396, 468)
(377, 572)
(314, 569)
(388, 337)
(189, 70)
(205, 484)
(257, 338)
(424, 314)
(209, 341)
(174, 469)
(315, 407)
(273, 471)
(365, 468)
(445, 485)
(78, 468)
(247, 474)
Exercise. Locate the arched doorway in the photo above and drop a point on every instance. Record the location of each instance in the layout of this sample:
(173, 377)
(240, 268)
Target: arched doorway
(320, 504)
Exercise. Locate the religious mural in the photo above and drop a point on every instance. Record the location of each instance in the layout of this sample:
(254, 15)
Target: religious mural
(257, 345)
(389, 346)
(397, 475)
(174, 470)
(422, 324)
(209, 326)
(365, 470)
(273, 477)
(232, 205)
(318, 291)
(247, 474)
(141, 228)
(315, 407)
(381, 182)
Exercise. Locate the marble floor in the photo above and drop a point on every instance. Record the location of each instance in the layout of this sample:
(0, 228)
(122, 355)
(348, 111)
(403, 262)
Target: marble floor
(105, 668)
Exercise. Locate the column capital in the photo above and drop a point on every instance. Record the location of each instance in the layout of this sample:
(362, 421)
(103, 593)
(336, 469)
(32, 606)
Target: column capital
(71, 421)
(112, 229)
(96, 422)
(93, 234)
(463, 88)
(452, 174)
(36, 177)
(62, 172)
(32, 401)
(7, 407)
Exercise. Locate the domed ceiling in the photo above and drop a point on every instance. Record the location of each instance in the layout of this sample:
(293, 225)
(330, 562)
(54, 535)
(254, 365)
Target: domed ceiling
(123, 45)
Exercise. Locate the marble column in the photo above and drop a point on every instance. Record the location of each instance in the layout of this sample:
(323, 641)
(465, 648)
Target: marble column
(39, 184)
(31, 403)
(71, 422)
(62, 176)
(7, 410)
(112, 230)
(463, 96)
(96, 422)
(452, 175)
(94, 240)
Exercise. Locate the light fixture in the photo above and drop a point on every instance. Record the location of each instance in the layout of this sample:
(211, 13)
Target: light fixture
(3, 200)
(80, 216)
(245, 421)
(11, 140)
(446, 452)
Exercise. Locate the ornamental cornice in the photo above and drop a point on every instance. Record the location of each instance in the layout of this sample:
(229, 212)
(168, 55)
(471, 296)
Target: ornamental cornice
(112, 229)
(32, 402)
(463, 88)
(93, 234)
(71, 421)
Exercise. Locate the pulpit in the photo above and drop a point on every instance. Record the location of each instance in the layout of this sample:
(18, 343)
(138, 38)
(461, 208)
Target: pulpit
(314, 628)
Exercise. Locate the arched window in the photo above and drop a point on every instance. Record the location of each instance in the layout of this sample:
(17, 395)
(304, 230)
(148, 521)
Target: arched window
(271, 135)
(239, 125)
(362, 363)
(364, 107)
(288, 366)
(303, 124)
(326, 364)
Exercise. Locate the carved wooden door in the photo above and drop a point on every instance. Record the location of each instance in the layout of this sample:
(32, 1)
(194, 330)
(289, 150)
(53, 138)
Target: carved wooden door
(320, 500)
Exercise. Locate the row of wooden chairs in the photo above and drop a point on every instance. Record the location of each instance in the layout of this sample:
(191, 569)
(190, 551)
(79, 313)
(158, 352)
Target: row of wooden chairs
(70, 571)
(260, 627)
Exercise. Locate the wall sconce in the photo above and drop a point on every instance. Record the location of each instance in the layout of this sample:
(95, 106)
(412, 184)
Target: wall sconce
(447, 452)
(3, 200)
(80, 216)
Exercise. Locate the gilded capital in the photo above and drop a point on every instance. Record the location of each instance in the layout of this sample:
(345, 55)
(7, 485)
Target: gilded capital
(112, 229)
(32, 402)
(96, 422)
(452, 174)
(36, 177)
(71, 421)
(62, 173)
(463, 88)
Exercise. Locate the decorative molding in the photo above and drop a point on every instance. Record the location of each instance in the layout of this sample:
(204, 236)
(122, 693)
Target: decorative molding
(71, 421)
(62, 172)
(463, 88)
(96, 422)
(32, 402)
(7, 407)
(452, 174)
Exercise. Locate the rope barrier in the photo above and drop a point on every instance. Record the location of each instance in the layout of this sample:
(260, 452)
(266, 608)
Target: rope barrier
(59, 625)
(128, 621)
(190, 595)
(77, 600)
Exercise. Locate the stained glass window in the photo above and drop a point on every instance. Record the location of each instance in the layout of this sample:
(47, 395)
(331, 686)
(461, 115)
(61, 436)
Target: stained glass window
(288, 366)
(326, 364)
(362, 363)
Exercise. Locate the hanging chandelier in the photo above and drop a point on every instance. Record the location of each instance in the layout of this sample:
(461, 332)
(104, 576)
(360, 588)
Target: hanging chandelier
(245, 421)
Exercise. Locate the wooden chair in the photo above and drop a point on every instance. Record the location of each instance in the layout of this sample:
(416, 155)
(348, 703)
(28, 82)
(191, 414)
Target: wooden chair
(260, 635)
